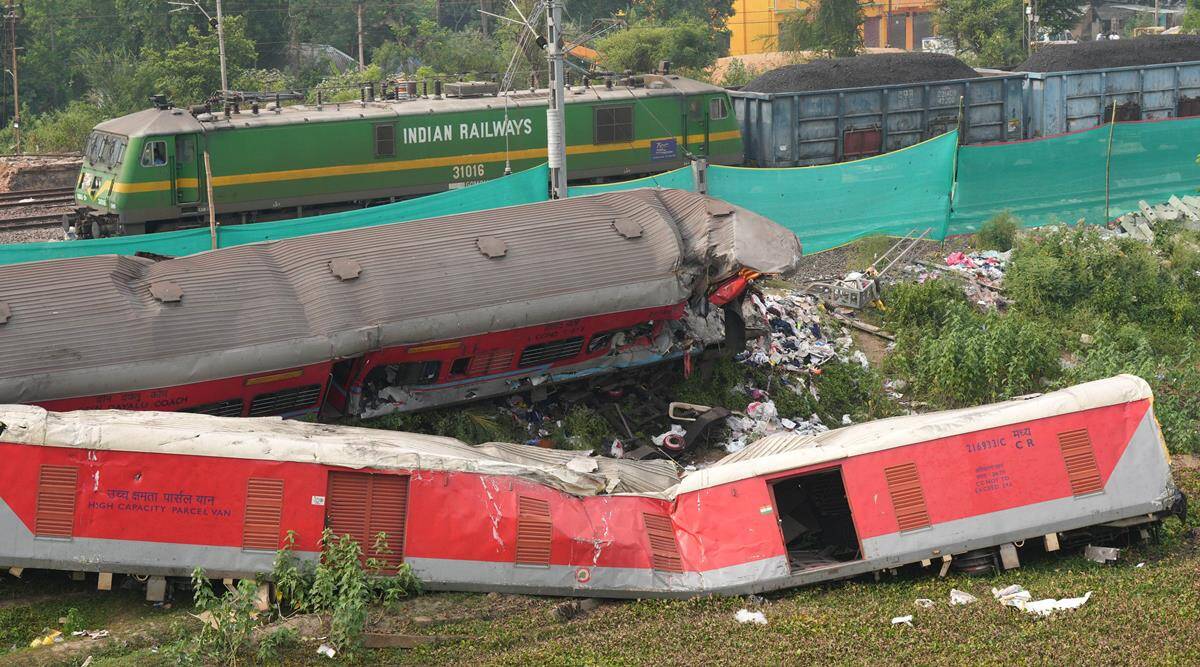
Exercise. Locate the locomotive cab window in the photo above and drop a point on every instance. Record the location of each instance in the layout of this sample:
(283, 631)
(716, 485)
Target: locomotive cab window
(385, 140)
(154, 154)
(717, 109)
(614, 125)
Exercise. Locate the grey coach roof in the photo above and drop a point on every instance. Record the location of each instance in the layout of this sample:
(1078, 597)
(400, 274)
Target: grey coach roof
(103, 324)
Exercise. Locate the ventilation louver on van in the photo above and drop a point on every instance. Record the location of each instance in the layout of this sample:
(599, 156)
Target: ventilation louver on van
(908, 498)
(1080, 458)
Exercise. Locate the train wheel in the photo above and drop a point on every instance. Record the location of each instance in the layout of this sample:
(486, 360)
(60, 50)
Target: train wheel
(976, 563)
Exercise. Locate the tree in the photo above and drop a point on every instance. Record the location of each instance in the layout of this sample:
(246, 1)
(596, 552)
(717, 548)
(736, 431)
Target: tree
(190, 72)
(1191, 17)
(686, 44)
(990, 32)
(831, 29)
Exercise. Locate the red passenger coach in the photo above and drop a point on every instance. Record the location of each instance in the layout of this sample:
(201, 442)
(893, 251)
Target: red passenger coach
(396, 317)
(159, 494)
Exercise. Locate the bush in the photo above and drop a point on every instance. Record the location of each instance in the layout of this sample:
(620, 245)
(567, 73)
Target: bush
(62, 131)
(998, 233)
(1121, 280)
(687, 44)
(924, 306)
(339, 586)
(975, 359)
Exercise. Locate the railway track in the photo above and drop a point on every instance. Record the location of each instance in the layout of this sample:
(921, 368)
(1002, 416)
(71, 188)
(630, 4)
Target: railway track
(42, 197)
(31, 221)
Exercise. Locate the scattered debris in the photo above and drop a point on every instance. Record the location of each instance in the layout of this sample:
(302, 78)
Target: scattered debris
(1102, 555)
(326, 650)
(50, 637)
(1139, 225)
(924, 603)
(958, 597)
(1012, 596)
(905, 620)
(1017, 596)
(1140, 565)
(747, 616)
(90, 634)
(565, 611)
(1049, 606)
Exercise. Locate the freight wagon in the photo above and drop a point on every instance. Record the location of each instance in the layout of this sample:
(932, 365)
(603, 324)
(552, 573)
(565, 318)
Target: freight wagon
(821, 127)
(159, 494)
(145, 172)
(395, 317)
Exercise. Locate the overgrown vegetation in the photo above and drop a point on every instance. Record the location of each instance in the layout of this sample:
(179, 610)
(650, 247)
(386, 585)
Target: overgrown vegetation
(338, 587)
(1085, 307)
(998, 233)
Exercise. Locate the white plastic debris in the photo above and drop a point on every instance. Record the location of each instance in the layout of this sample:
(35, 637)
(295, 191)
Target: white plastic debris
(788, 424)
(617, 450)
(1140, 565)
(672, 439)
(747, 616)
(762, 410)
(924, 603)
(1049, 606)
(846, 420)
(958, 597)
(1017, 596)
(326, 650)
(1012, 596)
(905, 620)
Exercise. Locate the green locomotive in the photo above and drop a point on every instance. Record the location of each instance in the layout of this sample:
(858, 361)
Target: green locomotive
(146, 171)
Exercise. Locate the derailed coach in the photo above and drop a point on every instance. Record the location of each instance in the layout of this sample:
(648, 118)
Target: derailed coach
(396, 317)
(1082, 465)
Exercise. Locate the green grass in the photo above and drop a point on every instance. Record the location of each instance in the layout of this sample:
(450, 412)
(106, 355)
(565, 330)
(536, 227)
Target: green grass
(1145, 615)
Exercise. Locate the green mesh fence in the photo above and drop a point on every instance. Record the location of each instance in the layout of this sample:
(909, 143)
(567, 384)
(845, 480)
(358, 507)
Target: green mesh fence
(829, 205)
(524, 187)
(680, 179)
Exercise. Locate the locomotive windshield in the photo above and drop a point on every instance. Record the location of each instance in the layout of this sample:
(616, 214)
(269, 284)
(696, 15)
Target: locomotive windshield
(105, 149)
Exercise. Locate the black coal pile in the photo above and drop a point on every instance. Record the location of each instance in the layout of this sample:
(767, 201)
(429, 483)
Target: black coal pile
(875, 69)
(1151, 50)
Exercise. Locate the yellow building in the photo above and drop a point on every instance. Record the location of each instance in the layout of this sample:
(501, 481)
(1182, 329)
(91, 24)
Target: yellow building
(754, 26)
(899, 24)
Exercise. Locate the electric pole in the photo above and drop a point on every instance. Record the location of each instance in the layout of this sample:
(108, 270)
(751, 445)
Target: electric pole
(556, 140)
(221, 48)
(362, 64)
(12, 26)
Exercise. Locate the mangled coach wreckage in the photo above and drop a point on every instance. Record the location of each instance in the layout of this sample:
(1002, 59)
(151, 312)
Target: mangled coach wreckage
(396, 317)
(158, 494)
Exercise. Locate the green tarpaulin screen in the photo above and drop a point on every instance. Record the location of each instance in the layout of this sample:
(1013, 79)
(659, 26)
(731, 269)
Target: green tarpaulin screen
(524, 187)
(829, 205)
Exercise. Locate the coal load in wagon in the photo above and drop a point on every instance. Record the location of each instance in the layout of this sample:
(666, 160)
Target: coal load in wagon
(875, 69)
(1114, 53)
